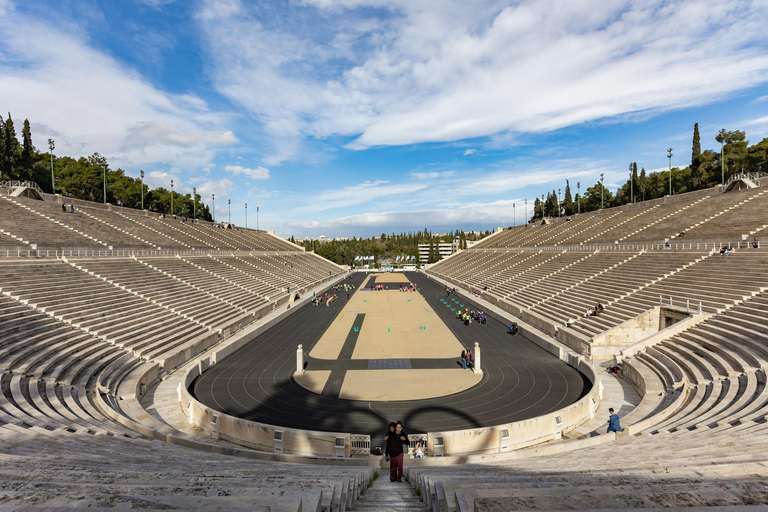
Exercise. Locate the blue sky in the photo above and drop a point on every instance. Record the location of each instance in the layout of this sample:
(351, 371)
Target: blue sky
(356, 117)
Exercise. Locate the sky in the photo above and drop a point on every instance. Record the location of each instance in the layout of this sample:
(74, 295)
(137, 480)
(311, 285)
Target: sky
(357, 117)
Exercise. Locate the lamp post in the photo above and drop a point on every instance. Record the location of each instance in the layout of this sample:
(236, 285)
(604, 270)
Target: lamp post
(601, 190)
(721, 136)
(104, 168)
(631, 185)
(194, 203)
(246, 216)
(229, 210)
(558, 203)
(213, 205)
(578, 203)
(526, 213)
(257, 218)
(542, 206)
(514, 216)
(172, 210)
(51, 145)
(142, 189)
(669, 155)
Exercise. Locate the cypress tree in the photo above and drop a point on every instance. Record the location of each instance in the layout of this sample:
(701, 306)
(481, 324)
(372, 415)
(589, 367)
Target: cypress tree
(568, 200)
(11, 150)
(696, 144)
(642, 184)
(2, 149)
(26, 152)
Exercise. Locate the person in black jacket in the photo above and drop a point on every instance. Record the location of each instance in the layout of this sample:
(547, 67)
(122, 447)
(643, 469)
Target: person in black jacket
(394, 452)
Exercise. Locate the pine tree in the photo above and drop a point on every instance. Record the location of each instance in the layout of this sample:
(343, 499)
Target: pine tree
(634, 181)
(26, 152)
(642, 185)
(537, 209)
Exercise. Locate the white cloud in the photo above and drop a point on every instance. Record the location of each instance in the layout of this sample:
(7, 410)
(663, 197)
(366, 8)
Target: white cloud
(470, 152)
(89, 102)
(453, 70)
(762, 120)
(259, 173)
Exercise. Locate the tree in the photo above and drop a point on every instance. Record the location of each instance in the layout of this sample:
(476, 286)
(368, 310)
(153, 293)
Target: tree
(11, 150)
(642, 184)
(27, 152)
(2, 149)
(537, 209)
(696, 151)
(568, 207)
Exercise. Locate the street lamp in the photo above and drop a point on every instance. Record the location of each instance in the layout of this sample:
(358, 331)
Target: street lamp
(229, 207)
(631, 185)
(601, 190)
(246, 216)
(526, 213)
(669, 155)
(558, 202)
(172, 197)
(194, 202)
(51, 145)
(104, 167)
(721, 137)
(141, 181)
(514, 216)
(578, 203)
(257, 218)
(213, 204)
(542, 206)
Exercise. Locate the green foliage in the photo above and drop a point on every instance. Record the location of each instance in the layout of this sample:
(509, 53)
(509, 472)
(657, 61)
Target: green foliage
(83, 178)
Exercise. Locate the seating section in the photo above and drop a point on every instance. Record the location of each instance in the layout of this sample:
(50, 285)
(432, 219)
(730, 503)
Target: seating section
(96, 226)
(721, 218)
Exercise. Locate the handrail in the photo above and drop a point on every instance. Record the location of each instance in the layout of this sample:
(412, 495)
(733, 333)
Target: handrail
(745, 176)
(16, 184)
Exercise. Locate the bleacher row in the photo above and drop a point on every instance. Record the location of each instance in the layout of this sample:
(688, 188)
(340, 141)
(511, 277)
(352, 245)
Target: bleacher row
(94, 226)
(721, 218)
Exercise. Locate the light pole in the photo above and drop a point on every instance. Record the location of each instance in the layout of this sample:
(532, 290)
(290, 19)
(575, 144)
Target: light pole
(229, 208)
(194, 203)
(631, 185)
(514, 216)
(578, 203)
(246, 216)
(213, 205)
(257, 218)
(142, 189)
(104, 167)
(542, 206)
(51, 145)
(558, 203)
(601, 190)
(721, 136)
(669, 155)
(526, 213)
(172, 198)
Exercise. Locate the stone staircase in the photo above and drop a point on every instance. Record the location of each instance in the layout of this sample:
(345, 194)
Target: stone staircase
(388, 496)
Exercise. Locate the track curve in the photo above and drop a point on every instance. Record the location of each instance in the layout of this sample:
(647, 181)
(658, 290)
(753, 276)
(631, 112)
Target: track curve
(520, 380)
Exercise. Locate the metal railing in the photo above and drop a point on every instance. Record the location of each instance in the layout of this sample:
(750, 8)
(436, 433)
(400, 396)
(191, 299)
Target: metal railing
(15, 184)
(679, 304)
(127, 253)
(752, 176)
(678, 246)
(360, 444)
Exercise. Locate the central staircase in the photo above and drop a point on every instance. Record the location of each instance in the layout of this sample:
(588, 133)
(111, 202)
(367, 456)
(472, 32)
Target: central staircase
(388, 496)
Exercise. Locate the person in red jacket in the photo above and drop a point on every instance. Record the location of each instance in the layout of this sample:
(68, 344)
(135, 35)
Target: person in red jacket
(394, 452)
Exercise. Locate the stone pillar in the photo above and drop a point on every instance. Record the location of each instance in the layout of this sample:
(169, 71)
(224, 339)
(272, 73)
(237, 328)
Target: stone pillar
(300, 360)
(476, 361)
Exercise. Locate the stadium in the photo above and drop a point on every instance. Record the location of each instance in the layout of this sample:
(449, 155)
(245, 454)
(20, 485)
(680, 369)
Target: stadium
(160, 362)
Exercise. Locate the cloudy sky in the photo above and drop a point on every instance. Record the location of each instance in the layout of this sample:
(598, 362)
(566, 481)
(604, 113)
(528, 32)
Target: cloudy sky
(354, 117)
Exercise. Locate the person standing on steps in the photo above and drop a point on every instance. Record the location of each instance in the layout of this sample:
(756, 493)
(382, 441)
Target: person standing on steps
(394, 452)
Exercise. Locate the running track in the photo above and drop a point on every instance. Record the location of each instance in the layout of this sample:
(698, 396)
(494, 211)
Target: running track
(520, 380)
